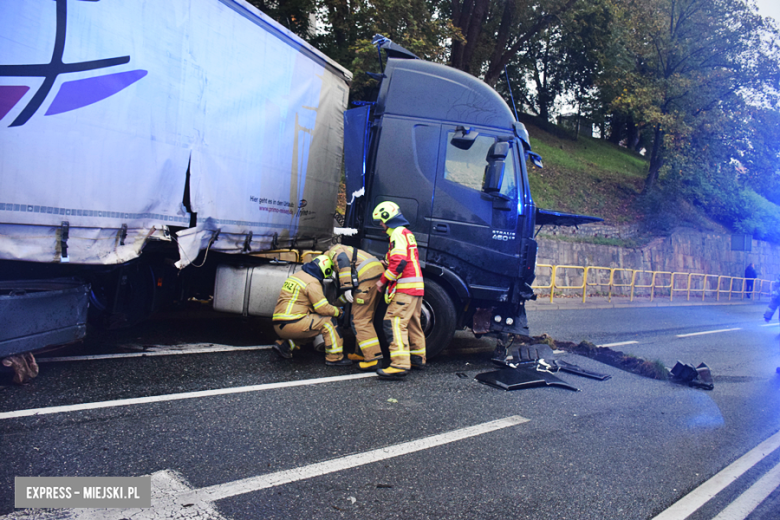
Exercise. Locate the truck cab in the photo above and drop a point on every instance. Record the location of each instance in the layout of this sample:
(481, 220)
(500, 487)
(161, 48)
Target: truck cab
(446, 148)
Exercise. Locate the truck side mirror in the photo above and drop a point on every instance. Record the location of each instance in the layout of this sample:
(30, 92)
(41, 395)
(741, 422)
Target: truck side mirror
(464, 138)
(494, 171)
(536, 159)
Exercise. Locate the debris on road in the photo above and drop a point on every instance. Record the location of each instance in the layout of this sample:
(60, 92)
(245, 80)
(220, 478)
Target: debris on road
(697, 377)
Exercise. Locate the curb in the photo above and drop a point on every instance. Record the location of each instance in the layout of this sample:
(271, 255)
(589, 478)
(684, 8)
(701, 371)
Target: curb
(533, 306)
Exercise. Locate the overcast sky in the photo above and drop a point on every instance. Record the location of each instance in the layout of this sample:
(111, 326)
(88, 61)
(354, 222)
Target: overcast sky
(769, 8)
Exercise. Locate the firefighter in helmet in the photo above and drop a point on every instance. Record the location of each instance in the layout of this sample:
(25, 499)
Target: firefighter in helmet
(358, 272)
(402, 282)
(303, 312)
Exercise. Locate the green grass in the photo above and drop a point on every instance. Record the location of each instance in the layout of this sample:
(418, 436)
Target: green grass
(589, 176)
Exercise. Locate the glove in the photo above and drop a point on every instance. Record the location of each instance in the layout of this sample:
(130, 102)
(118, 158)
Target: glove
(348, 296)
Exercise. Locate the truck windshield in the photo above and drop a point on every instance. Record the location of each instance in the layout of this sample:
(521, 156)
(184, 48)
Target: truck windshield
(467, 167)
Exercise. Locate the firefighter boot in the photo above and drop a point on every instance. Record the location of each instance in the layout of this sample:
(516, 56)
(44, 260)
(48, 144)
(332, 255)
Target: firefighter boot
(369, 366)
(417, 362)
(284, 348)
(343, 362)
(392, 373)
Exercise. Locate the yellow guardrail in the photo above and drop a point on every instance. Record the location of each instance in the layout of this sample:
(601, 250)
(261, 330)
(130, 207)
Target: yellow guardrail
(652, 283)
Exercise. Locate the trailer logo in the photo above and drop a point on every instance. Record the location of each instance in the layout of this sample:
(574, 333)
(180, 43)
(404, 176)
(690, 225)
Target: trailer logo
(72, 94)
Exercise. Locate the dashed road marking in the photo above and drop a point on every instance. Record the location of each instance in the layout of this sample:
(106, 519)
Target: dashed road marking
(172, 497)
(706, 332)
(619, 344)
(177, 397)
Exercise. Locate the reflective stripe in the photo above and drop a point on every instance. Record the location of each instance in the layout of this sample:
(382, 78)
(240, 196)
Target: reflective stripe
(334, 340)
(368, 342)
(294, 297)
(419, 285)
(320, 303)
(287, 317)
(400, 353)
(397, 332)
(366, 263)
(390, 275)
(420, 352)
(410, 279)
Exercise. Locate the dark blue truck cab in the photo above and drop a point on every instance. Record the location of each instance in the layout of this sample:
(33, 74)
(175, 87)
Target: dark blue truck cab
(446, 148)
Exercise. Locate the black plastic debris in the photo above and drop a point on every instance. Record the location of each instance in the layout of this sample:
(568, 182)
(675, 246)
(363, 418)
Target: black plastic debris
(697, 377)
(521, 377)
(522, 354)
(563, 366)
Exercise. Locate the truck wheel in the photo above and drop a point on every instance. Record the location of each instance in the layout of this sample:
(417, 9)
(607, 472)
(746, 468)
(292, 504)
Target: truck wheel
(438, 318)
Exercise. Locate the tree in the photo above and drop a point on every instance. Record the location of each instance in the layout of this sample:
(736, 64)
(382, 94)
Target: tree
(692, 57)
(495, 31)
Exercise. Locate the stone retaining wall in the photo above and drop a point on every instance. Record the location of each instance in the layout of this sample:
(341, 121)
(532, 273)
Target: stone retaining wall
(686, 251)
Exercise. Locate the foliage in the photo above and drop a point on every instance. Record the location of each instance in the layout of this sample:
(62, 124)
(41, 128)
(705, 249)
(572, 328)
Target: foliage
(695, 84)
(691, 57)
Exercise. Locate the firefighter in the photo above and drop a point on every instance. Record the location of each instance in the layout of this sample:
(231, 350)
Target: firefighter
(302, 312)
(358, 272)
(404, 294)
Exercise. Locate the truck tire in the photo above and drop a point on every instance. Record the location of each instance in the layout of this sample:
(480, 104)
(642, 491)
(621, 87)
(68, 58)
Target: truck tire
(438, 318)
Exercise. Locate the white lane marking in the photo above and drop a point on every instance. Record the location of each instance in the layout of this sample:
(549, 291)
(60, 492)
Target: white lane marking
(198, 348)
(172, 497)
(248, 485)
(752, 498)
(177, 397)
(771, 325)
(618, 344)
(702, 494)
(707, 332)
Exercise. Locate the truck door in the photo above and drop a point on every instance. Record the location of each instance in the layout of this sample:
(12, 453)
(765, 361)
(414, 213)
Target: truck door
(473, 231)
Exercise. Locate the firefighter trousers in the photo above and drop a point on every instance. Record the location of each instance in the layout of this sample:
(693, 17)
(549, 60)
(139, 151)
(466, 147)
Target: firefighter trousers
(365, 299)
(310, 326)
(402, 324)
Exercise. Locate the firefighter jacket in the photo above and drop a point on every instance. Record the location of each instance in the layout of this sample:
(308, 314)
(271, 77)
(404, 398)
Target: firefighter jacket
(302, 294)
(366, 266)
(403, 263)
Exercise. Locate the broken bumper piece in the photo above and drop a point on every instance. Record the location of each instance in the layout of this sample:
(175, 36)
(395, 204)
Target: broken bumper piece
(521, 377)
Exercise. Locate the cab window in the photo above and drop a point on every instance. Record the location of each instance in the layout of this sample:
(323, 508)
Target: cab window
(467, 167)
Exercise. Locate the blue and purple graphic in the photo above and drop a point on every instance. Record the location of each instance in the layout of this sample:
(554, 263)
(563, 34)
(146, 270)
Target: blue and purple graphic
(72, 94)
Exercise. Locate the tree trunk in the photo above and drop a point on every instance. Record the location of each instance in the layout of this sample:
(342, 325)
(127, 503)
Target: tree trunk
(656, 160)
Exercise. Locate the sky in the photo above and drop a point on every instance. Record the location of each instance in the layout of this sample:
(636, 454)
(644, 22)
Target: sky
(769, 8)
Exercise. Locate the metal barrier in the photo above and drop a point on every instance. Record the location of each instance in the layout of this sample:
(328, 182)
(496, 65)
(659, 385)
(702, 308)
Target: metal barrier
(665, 282)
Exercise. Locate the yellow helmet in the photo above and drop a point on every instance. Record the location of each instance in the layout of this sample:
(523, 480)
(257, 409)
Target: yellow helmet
(325, 264)
(385, 211)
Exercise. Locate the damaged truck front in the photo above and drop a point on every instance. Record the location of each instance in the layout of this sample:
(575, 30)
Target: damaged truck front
(158, 151)
(446, 148)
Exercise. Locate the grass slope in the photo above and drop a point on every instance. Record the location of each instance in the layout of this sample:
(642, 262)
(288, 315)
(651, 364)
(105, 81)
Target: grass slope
(588, 176)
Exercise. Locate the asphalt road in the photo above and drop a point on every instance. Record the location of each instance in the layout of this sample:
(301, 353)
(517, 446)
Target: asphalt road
(243, 434)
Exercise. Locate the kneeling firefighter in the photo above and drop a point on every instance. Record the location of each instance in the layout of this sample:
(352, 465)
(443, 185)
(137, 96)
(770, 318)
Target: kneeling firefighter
(303, 312)
(404, 295)
(358, 273)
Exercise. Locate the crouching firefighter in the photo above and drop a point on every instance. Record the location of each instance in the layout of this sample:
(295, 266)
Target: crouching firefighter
(404, 295)
(358, 272)
(302, 312)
